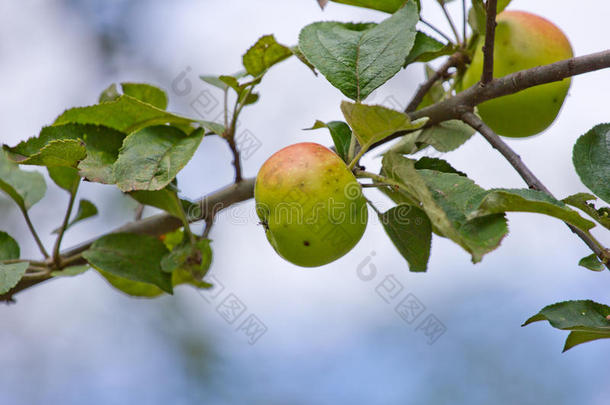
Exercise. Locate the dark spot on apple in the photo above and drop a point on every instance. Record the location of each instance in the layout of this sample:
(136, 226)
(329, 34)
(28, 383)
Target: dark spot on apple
(306, 243)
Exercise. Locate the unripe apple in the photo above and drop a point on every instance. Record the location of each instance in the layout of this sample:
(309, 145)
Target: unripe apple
(523, 40)
(310, 204)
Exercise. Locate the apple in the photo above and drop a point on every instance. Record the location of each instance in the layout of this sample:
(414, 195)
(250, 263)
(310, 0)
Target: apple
(310, 204)
(523, 40)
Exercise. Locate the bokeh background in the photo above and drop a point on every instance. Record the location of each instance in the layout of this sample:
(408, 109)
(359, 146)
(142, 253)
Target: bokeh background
(330, 338)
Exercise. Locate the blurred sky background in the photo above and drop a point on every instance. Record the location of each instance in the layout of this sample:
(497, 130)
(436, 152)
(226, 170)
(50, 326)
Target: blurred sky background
(330, 338)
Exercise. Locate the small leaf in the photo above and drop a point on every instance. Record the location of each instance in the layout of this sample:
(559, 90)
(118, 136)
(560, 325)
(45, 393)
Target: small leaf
(411, 232)
(10, 274)
(9, 248)
(581, 201)
(592, 262)
(358, 58)
(526, 200)
(217, 82)
(146, 93)
(213, 127)
(163, 199)
(446, 136)
(25, 188)
(341, 134)
(102, 146)
(426, 48)
(587, 318)
(265, 53)
(153, 156)
(374, 123)
(591, 157)
(126, 114)
(110, 93)
(436, 164)
(131, 256)
(62, 152)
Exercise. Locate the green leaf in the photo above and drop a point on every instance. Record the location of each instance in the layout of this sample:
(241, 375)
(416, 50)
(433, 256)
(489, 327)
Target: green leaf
(153, 156)
(265, 53)
(10, 274)
(358, 58)
(477, 17)
(526, 200)
(217, 82)
(341, 134)
(25, 188)
(179, 276)
(102, 152)
(195, 258)
(125, 114)
(86, 209)
(576, 338)
(372, 123)
(9, 248)
(587, 318)
(62, 152)
(389, 6)
(146, 93)
(581, 201)
(110, 93)
(591, 157)
(436, 164)
(102, 146)
(163, 199)
(592, 262)
(213, 127)
(65, 177)
(446, 136)
(131, 256)
(446, 198)
(426, 48)
(411, 232)
(71, 271)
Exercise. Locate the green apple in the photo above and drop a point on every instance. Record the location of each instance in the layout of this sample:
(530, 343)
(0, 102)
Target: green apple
(523, 40)
(310, 204)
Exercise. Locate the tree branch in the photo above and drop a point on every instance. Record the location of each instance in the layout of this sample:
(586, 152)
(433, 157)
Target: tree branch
(488, 47)
(526, 174)
(454, 107)
(156, 225)
(450, 21)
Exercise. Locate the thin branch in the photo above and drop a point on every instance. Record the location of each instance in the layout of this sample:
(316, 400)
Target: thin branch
(425, 87)
(139, 212)
(438, 31)
(464, 20)
(526, 174)
(488, 47)
(62, 230)
(28, 221)
(236, 159)
(450, 20)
